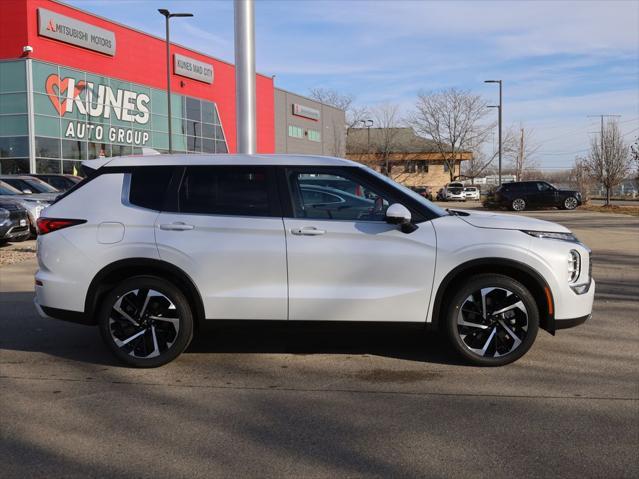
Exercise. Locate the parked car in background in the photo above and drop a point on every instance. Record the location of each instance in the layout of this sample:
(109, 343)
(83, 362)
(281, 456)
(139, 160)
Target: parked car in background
(454, 191)
(33, 203)
(471, 193)
(61, 182)
(185, 239)
(424, 191)
(14, 221)
(520, 195)
(30, 185)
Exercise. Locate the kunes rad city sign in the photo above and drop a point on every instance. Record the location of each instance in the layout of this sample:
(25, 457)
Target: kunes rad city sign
(99, 101)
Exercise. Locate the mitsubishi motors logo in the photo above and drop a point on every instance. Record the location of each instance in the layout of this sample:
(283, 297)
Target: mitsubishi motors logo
(51, 26)
(99, 101)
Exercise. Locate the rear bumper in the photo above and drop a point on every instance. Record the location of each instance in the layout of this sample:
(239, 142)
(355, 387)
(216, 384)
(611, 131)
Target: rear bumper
(62, 314)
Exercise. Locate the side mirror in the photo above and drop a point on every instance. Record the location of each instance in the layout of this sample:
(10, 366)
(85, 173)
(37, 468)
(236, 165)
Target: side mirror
(398, 214)
(27, 191)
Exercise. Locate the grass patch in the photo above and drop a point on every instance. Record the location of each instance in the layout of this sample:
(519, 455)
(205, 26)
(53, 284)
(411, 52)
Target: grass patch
(625, 210)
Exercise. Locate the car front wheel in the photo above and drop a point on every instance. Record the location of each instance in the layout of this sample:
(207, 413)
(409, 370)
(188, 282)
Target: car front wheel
(570, 203)
(492, 320)
(146, 321)
(518, 204)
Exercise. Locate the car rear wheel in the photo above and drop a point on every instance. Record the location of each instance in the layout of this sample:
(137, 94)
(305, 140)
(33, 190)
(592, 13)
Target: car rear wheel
(570, 203)
(492, 320)
(146, 321)
(518, 204)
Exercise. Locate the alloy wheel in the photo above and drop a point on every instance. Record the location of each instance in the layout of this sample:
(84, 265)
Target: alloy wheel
(519, 204)
(570, 203)
(144, 323)
(492, 322)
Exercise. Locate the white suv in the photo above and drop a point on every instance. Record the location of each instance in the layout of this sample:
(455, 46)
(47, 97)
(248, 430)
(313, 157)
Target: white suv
(148, 247)
(454, 192)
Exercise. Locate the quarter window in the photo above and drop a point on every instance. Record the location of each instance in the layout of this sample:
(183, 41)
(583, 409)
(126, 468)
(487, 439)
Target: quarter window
(149, 185)
(225, 191)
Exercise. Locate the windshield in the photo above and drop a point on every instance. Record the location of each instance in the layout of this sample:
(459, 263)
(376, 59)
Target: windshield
(431, 206)
(40, 186)
(6, 189)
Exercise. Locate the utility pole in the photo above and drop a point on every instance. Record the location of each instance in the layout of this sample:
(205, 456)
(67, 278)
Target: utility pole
(601, 138)
(603, 149)
(521, 156)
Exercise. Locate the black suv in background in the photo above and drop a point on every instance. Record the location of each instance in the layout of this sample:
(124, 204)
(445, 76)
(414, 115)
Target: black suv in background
(520, 195)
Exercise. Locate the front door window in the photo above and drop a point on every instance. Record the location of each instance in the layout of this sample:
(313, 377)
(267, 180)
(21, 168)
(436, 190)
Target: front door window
(327, 196)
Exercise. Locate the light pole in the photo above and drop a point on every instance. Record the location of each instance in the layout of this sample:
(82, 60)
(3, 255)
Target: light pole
(368, 124)
(168, 15)
(500, 110)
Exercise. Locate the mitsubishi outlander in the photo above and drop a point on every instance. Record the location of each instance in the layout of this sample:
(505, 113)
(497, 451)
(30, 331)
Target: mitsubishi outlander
(147, 248)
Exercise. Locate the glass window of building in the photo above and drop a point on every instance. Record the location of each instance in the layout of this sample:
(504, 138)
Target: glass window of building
(314, 135)
(295, 131)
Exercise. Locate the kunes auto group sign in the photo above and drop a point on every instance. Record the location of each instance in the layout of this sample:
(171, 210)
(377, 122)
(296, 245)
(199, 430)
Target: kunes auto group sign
(69, 95)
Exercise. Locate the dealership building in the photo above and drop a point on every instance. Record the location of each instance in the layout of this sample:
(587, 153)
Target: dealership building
(75, 86)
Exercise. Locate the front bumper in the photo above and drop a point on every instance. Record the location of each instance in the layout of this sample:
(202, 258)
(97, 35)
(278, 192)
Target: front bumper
(571, 323)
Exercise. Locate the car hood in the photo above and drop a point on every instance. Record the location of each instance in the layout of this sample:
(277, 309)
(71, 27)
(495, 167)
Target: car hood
(509, 222)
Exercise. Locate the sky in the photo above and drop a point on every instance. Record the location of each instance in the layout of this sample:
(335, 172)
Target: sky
(561, 62)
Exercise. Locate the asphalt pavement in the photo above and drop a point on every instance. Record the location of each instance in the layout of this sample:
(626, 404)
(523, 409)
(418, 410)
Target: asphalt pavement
(329, 402)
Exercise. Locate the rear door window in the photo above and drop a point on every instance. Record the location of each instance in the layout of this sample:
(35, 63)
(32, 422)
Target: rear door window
(227, 190)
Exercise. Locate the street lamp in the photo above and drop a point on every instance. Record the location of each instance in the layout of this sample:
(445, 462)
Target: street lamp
(368, 124)
(500, 110)
(168, 15)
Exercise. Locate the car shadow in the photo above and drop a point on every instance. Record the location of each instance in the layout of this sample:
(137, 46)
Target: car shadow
(23, 330)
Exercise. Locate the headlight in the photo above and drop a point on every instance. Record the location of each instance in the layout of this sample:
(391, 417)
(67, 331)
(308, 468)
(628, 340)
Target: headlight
(551, 235)
(574, 265)
(4, 214)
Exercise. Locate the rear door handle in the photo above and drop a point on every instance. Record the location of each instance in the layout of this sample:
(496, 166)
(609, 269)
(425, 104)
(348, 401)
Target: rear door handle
(179, 226)
(308, 231)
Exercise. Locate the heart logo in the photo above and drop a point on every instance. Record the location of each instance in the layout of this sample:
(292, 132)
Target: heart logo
(55, 88)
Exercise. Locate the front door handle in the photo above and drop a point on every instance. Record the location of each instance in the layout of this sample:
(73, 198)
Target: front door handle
(308, 231)
(179, 226)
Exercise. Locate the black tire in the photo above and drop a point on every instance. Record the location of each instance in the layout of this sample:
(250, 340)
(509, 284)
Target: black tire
(494, 333)
(169, 336)
(518, 204)
(569, 203)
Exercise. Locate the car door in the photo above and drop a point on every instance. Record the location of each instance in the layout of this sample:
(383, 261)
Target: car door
(224, 229)
(546, 194)
(345, 263)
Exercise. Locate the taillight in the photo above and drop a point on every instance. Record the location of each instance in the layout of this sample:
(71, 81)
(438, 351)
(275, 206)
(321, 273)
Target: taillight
(49, 225)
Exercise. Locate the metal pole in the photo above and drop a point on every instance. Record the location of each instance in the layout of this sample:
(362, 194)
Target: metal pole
(500, 147)
(168, 81)
(245, 75)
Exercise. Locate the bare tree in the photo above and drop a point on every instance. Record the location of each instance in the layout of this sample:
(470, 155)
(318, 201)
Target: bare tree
(522, 153)
(452, 118)
(481, 161)
(609, 160)
(343, 101)
(383, 143)
(581, 179)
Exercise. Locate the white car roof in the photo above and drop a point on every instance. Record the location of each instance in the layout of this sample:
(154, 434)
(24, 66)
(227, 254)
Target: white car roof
(219, 159)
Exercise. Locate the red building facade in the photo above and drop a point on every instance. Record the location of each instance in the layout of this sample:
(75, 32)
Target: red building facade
(75, 86)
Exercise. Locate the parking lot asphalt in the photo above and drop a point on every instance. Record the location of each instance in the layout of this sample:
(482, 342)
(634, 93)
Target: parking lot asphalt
(317, 402)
